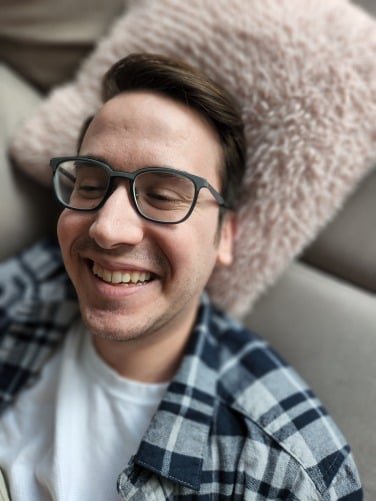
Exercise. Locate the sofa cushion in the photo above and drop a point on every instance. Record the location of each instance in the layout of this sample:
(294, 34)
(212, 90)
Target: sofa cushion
(27, 209)
(45, 40)
(347, 246)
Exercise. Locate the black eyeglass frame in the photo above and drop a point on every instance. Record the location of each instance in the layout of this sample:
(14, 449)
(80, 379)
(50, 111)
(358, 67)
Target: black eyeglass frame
(198, 182)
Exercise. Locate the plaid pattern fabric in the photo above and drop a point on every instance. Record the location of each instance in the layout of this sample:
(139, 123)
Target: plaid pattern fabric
(236, 422)
(37, 305)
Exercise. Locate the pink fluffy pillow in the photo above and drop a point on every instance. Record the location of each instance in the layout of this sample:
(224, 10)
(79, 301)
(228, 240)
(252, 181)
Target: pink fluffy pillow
(304, 72)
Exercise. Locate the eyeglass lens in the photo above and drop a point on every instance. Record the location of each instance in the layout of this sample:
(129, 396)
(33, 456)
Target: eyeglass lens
(160, 196)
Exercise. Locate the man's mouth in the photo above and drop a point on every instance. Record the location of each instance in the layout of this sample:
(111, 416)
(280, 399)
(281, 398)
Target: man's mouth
(121, 277)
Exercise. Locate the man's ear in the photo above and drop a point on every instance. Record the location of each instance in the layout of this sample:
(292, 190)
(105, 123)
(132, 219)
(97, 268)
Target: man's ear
(226, 239)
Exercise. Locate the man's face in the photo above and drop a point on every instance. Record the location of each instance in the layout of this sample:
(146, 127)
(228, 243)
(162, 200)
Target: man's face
(170, 264)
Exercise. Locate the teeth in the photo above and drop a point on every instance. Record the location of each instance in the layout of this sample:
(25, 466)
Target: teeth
(119, 277)
(107, 276)
(135, 277)
(116, 277)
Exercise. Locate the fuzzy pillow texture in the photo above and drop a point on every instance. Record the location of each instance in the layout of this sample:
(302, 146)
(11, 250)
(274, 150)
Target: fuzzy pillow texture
(304, 72)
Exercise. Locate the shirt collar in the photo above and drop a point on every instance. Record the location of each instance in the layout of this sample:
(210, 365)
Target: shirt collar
(174, 444)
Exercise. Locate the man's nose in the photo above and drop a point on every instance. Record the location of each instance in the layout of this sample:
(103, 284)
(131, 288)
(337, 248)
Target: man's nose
(117, 222)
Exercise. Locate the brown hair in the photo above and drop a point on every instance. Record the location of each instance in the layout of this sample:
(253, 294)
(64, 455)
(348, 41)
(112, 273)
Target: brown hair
(184, 83)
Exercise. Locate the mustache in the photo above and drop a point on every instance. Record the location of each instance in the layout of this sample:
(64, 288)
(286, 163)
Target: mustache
(138, 254)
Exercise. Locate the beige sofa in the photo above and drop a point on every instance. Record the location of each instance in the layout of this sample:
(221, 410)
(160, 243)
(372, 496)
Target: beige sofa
(321, 315)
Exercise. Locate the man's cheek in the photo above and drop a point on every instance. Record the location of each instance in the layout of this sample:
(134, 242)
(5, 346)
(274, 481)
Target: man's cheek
(67, 230)
(61, 227)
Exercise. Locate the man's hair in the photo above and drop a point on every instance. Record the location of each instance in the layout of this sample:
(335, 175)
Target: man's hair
(183, 83)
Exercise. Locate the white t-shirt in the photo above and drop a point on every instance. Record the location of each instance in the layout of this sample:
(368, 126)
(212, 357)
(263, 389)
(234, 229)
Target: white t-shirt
(69, 436)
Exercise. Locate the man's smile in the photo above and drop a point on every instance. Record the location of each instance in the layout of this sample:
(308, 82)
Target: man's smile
(120, 276)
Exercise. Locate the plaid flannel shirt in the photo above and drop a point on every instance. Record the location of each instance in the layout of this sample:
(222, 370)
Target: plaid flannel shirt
(236, 421)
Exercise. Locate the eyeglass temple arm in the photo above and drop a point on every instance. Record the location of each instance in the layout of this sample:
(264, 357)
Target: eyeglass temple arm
(218, 197)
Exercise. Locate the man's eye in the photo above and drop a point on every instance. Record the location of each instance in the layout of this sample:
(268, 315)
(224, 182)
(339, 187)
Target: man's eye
(90, 190)
(164, 200)
(163, 197)
(84, 187)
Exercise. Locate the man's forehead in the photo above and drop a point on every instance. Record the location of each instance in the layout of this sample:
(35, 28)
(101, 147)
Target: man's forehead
(154, 110)
(151, 114)
(142, 124)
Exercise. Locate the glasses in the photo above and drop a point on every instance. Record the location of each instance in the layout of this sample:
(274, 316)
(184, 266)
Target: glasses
(159, 194)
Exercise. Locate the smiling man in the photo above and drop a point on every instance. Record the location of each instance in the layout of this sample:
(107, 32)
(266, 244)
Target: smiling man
(152, 393)
(139, 264)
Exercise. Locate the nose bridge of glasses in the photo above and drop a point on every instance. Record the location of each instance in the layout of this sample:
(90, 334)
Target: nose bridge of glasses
(118, 179)
(126, 178)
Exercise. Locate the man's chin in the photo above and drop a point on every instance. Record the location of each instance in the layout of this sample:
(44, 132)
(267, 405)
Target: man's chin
(106, 325)
(111, 335)
(114, 325)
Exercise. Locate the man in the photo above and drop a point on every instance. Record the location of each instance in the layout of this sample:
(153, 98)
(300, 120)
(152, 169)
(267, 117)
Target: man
(153, 394)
